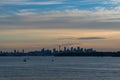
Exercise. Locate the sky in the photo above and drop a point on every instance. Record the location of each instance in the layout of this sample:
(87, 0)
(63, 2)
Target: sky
(34, 24)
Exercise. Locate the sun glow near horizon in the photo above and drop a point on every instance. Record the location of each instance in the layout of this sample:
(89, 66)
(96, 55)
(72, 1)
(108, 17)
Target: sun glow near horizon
(33, 39)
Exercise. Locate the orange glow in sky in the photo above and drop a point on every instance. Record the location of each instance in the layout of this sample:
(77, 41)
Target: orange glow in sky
(34, 39)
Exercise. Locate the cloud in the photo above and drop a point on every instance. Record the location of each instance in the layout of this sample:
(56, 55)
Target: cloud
(82, 2)
(42, 3)
(112, 2)
(95, 17)
(29, 18)
(28, 2)
(49, 2)
(91, 38)
(71, 44)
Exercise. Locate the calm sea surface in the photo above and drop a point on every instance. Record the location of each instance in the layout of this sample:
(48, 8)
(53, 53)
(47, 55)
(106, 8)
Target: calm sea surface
(61, 68)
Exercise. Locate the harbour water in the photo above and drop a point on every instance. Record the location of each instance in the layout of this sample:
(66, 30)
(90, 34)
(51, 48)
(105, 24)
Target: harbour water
(61, 68)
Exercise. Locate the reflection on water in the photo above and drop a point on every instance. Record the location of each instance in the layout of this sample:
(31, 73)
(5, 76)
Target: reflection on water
(62, 68)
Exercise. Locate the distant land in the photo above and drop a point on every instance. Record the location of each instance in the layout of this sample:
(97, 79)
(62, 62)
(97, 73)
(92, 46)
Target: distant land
(65, 52)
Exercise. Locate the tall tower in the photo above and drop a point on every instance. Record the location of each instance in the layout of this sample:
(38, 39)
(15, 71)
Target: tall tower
(23, 51)
(59, 48)
(15, 51)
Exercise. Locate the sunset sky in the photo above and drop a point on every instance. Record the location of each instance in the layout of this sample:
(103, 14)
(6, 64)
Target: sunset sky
(34, 24)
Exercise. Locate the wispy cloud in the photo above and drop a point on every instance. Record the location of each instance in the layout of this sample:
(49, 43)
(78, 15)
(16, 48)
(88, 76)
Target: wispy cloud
(71, 44)
(94, 17)
(112, 2)
(82, 2)
(98, 18)
(28, 2)
(91, 38)
(42, 3)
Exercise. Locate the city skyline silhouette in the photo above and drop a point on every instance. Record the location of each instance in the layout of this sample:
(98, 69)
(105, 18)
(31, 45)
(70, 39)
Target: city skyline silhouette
(71, 51)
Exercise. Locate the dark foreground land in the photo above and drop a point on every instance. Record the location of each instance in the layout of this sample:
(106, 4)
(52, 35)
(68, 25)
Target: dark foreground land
(91, 54)
(96, 54)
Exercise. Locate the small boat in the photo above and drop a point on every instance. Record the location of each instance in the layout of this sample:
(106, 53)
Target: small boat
(25, 60)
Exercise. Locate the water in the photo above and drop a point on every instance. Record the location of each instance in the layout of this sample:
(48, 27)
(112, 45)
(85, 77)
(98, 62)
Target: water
(62, 68)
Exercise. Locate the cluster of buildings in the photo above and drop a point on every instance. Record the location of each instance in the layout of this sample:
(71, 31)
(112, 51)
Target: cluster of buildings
(77, 51)
(48, 52)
